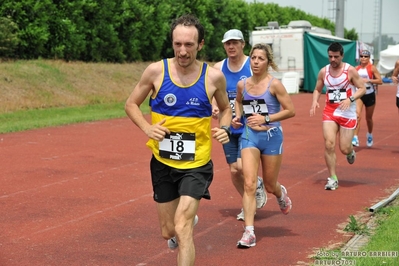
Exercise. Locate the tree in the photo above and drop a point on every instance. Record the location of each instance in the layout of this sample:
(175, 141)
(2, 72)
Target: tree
(351, 35)
(130, 30)
(144, 28)
(385, 41)
(32, 18)
(8, 37)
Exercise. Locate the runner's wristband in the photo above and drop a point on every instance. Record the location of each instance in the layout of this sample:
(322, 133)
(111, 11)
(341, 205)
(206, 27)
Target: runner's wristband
(227, 129)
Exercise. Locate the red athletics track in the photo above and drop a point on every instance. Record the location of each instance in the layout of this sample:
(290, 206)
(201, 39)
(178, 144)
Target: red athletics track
(81, 195)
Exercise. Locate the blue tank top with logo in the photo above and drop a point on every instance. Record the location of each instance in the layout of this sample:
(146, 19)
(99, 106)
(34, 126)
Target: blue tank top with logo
(232, 78)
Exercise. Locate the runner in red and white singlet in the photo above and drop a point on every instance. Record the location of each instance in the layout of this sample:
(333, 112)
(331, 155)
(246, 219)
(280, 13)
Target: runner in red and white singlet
(339, 114)
(395, 79)
(339, 88)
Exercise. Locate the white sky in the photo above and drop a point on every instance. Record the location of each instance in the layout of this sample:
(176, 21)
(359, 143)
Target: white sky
(362, 15)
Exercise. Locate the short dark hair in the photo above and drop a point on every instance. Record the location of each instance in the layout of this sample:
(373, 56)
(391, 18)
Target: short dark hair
(336, 47)
(188, 20)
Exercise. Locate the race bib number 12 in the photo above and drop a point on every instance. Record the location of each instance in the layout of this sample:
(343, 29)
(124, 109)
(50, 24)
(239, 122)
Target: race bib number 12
(254, 106)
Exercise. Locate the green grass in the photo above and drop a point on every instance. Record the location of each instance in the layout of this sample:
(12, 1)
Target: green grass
(49, 117)
(384, 239)
(356, 227)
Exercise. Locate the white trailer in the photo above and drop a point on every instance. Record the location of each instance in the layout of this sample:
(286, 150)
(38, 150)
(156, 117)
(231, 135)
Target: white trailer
(287, 43)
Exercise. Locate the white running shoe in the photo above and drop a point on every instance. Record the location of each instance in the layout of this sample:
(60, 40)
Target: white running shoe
(285, 204)
(260, 195)
(240, 216)
(355, 141)
(248, 240)
(332, 184)
(172, 242)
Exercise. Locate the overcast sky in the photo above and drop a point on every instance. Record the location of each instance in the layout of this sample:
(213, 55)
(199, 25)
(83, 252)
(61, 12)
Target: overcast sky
(362, 15)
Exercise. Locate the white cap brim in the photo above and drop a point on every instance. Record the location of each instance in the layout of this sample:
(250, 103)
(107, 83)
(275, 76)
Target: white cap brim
(232, 38)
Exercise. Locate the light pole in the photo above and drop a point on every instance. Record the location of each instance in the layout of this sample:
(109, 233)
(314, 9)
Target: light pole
(379, 30)
(339, 18)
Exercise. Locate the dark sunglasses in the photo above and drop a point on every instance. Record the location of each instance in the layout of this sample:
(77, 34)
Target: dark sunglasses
(364, 56)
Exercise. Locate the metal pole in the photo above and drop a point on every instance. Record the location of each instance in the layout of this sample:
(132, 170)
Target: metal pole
(379, 30)
(384, 202)
(339, 18)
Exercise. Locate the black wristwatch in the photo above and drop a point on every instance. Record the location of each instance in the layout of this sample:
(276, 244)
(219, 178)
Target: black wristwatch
(352, 98)
(267, 119)
(227, 129)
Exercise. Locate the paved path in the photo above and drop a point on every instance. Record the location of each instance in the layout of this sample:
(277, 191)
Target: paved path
(81, 195)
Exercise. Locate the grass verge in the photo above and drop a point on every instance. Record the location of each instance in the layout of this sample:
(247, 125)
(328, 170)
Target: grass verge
(49, 117)
(381, 249)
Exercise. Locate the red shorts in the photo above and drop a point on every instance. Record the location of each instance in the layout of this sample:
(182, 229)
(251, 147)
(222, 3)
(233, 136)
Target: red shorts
(341, 121)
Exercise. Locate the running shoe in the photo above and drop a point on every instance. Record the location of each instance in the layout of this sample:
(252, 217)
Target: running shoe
(351, 157)
(261, 196)
(355, 141)
(369, 139)
(285, 203)
(240, 216)
(172, 243)
(332, 184)
(248, 240)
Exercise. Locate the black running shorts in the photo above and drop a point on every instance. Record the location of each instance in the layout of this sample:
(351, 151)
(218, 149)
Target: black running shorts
(368, 99)
(169, 183)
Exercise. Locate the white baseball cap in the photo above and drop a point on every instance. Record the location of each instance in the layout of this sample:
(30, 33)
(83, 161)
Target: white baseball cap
(365, 52)
(233, 34)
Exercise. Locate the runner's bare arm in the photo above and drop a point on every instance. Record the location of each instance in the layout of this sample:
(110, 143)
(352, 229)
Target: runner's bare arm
(317, 91)
(358, 82)
(236, 122)
(288, 110)
(215, 108)
(144, 87)
(220, 95)
(377, 76)
(395, 73)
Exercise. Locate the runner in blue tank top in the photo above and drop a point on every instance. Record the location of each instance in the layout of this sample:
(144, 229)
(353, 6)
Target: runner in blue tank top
(263, 101)
(235, 68)
(180, 133)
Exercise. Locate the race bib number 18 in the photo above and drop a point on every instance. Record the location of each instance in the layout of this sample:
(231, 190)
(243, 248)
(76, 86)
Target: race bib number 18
(178, 146)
